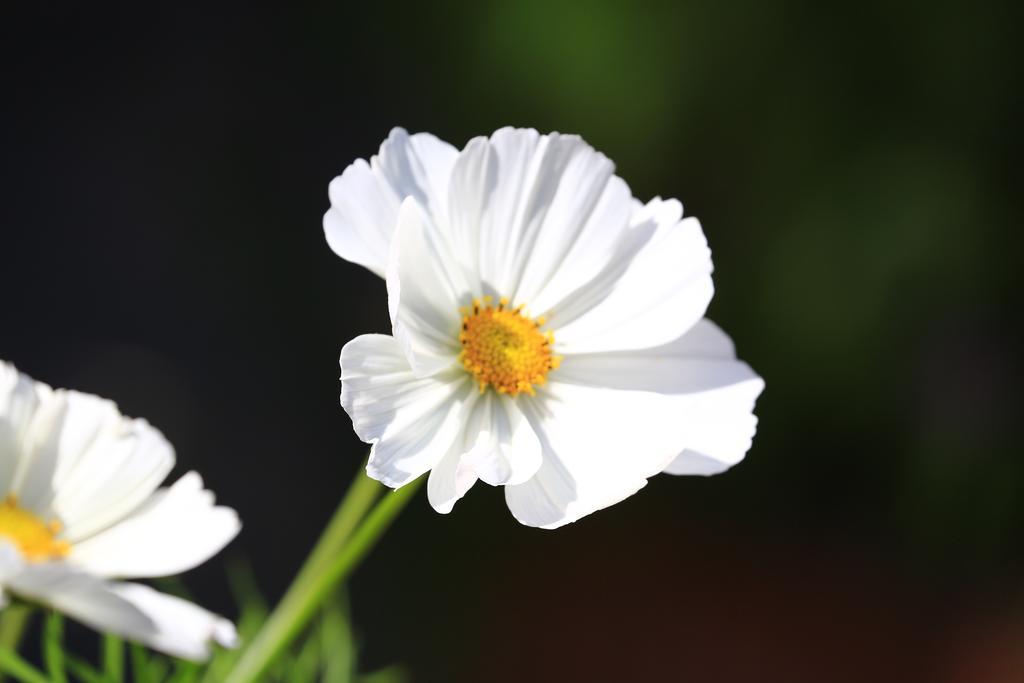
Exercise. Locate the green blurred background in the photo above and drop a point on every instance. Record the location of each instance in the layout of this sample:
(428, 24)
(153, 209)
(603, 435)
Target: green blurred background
(855, 168)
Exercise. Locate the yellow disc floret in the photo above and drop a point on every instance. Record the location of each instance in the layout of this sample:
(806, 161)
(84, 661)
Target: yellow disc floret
(36, 539)
(503, 348)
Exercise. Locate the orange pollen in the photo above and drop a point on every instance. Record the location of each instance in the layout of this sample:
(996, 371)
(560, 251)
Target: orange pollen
(503, 348)
(35, 539)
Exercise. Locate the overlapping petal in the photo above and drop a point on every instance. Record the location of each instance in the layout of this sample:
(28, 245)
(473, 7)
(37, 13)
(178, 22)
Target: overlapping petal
(85, 464)
(411, 421)
(425, 290)
(19, 400)
(365, 198)
(521, 200)
(658, 289)
(133, 611)
(712, 393)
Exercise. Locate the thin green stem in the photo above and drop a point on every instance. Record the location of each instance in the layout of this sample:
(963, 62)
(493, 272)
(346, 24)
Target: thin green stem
(13, 620)
(113, 658)
(53, 647)
(353, 507)
(327, 569)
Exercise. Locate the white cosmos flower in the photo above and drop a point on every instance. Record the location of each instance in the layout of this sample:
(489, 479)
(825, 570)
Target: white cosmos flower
(548, 329)
(80, 507)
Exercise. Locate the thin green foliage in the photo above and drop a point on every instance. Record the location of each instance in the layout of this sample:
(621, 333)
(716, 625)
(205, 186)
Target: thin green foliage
(112, 655)
(391, 674)
(17, 668)
(53, 647)
(81, 670)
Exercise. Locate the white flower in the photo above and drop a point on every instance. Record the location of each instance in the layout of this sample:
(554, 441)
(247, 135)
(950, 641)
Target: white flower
(548, 330)
(80, 507)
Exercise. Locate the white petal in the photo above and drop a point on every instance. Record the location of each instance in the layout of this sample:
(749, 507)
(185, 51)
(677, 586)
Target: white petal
(175, 530)
(528, 197)
(597, 249)
(81, 596)
(599, 446)
(65, 425)
(658, 288)
(107, 469)
(365, 198)
(20, 398)
(496, 444)
(11, 561)
(182, 628)
(473, 180)
(722, 429)
(418, 166)
(77, 459)
(163, 622)
(425, 289)
(411, 421)
(449, 481)
(698, 373)
(608, 421)
(502, 448)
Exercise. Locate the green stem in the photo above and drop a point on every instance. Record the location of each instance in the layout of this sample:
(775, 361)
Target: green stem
(13, 620)
(113, 657)
(16, 667)
(330, 562)
(53, 647)
(357, 500)
(12, 624)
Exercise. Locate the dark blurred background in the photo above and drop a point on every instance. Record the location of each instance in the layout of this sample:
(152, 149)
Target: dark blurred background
(856, 170)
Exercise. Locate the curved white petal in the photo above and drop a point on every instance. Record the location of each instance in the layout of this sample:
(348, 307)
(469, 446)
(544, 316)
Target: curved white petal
(600, 246)
(180, 628)
(81, 596)
(366, 196)
(118, 470)
(11, 561)
(163, 622)
(658, 287)
(449, 481)
(411, 421)
(20, 398)
(74, 457)
(501, 446)
(425, 289)
(519, 201)
(599, 445)
(496, 444)
(175, 530)
(714, 393)
(611, 420)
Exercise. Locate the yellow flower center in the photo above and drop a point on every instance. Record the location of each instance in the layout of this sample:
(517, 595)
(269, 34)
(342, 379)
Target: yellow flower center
(35, 538)
(503, 348)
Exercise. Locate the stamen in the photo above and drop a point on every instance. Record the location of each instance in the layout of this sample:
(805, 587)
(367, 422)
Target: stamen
(504, 349)
(33, 537)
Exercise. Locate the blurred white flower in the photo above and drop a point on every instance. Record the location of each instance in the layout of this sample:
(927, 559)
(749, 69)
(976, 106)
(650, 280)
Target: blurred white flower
(80, 507)
(548, 330)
